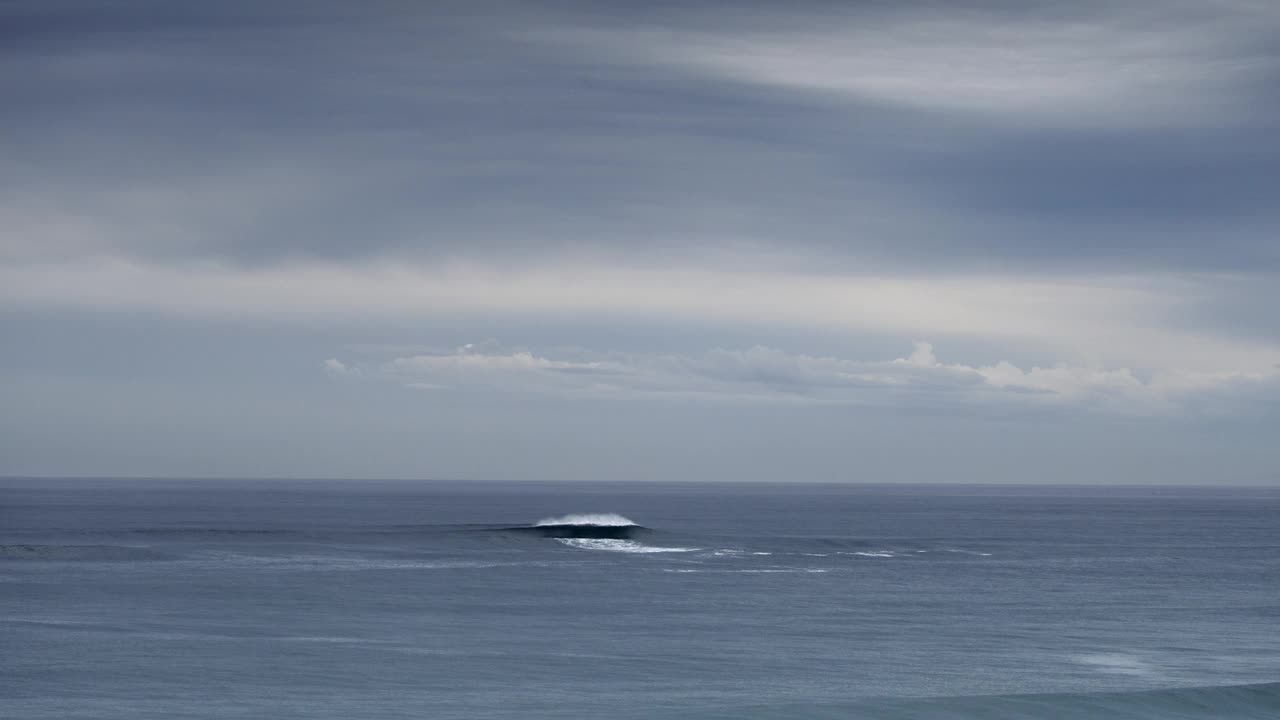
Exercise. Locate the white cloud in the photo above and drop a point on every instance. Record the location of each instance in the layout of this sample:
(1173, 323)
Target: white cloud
(471, 362)
(922, 356)
(1102, 321)
(768, 374)
(1175, 64)
(337, 368)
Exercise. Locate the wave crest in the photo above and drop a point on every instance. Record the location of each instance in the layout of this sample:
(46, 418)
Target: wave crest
(594, 519)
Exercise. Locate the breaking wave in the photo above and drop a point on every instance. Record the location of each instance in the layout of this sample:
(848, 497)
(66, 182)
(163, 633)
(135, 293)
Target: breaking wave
(600, 526)
(597, 519)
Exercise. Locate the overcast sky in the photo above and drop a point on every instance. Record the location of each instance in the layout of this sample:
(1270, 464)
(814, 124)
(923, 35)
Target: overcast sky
(873, 242)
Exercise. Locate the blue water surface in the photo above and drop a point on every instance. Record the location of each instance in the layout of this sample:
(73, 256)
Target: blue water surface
(238, 599)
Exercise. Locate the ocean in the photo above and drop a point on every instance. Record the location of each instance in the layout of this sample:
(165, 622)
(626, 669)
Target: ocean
(140, 599)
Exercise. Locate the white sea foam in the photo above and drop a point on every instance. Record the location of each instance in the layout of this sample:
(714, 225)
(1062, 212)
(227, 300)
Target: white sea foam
(601, 519)
(1117, 664)
(624, 546)
(873, 553)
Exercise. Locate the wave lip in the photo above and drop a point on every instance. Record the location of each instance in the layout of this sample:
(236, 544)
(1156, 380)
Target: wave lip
(596, 519)
(598, 526)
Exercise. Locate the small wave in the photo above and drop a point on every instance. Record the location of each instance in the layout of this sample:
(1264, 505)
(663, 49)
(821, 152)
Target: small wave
(623, 546)
(337, 563)
(962, 551)
(871, 553)
(336, 640)
(598, 519)
(64, 623)
(1117, 664)
(1228, 702)
(210, 531)
(756, 571)
(890, 553)
(80, 552)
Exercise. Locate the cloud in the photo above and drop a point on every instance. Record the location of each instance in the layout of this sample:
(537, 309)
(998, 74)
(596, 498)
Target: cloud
(1075, 202)
(766, 374)
(336, 368)
(906, 135)
(1093, 64)
(1089, 320)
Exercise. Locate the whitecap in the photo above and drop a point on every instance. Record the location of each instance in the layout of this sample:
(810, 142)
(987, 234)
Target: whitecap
(601, 519)
(613, 545)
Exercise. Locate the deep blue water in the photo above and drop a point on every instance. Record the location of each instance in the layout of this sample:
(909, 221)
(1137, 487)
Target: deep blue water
(133, 599)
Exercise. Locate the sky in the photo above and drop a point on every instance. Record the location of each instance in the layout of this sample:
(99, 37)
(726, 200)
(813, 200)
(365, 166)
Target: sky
(842, 242)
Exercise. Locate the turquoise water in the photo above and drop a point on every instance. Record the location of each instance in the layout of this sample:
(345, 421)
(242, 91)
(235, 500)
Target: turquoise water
(132, 599)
